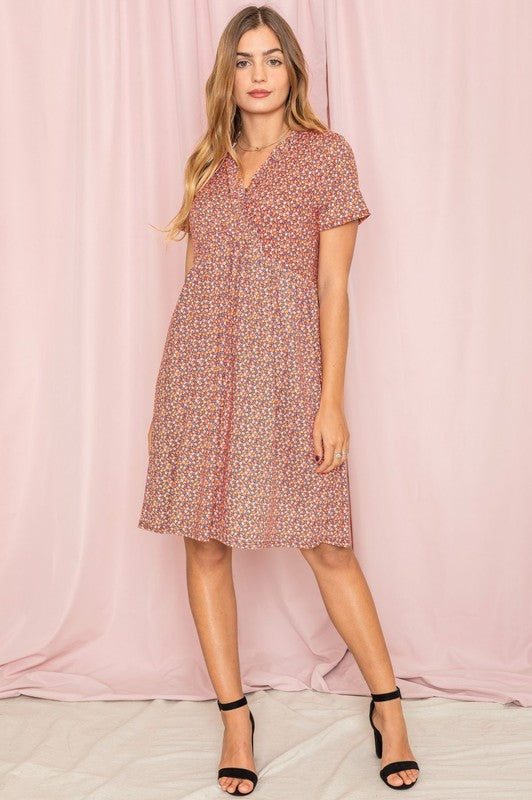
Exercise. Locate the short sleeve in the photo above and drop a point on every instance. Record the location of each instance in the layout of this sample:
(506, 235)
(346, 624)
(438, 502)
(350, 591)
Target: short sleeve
(339, 197)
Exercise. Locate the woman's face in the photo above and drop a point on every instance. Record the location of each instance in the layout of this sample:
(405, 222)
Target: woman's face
(257, 69)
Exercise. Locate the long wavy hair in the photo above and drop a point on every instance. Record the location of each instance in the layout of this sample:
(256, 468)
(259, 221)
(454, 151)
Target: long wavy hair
(223, 115)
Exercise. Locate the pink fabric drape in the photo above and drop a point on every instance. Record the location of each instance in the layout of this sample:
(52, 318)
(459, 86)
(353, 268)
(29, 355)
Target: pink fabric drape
(101, 104)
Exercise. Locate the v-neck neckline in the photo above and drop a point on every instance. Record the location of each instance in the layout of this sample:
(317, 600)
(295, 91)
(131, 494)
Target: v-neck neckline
(258, 172)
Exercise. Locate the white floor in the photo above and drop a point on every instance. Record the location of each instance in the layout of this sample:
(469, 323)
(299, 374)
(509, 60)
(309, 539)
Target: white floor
(308, 745)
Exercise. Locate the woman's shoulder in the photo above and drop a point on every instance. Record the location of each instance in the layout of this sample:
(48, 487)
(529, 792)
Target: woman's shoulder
(324, 143)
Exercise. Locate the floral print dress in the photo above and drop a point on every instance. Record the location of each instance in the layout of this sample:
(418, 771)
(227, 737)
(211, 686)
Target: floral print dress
(238, 389)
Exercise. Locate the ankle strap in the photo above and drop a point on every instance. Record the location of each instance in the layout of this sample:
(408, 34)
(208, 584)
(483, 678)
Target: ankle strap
(234, 704)
(387, 695)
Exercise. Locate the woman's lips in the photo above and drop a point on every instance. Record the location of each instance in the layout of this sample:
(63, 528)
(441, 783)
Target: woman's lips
(259, 94)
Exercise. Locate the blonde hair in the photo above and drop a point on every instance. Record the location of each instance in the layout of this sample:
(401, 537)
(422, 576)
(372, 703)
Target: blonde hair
(223, 115)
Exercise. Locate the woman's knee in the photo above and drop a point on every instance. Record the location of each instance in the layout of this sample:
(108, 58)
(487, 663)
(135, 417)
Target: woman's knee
(208, 553)
(327, 555)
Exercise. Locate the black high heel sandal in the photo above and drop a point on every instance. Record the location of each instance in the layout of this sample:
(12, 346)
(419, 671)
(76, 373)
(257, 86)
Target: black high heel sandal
(239, 772)
(394, 766)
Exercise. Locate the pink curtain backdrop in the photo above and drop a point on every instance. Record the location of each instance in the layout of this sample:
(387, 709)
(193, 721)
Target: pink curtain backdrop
(101, 103)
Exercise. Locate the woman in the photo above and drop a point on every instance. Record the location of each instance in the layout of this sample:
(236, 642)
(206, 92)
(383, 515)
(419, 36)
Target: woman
(250, 388)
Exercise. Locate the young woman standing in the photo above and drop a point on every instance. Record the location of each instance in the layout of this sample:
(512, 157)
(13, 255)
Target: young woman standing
(250, 389)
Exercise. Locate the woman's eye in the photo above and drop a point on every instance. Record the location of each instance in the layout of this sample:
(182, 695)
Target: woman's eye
(238, 63)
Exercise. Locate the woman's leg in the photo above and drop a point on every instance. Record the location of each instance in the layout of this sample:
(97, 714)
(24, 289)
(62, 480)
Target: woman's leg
(350, 605)
(212, 599)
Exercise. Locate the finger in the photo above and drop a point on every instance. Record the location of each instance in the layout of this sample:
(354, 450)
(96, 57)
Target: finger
(328, 458)
(318, 449)
(344, 450)
(334, 462)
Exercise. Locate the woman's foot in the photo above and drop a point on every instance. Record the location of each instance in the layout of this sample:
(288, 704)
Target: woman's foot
(388, 719)
(236, 748)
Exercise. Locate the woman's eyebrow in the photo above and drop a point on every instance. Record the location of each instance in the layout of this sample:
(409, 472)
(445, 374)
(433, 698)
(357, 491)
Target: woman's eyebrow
(264, 52)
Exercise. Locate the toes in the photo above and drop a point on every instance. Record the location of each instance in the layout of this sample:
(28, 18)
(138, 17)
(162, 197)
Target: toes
(230, 784)
(397, 778)
(394, 779)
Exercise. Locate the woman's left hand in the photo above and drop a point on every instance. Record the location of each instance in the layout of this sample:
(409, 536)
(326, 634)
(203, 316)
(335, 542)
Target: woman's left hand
(330, 436)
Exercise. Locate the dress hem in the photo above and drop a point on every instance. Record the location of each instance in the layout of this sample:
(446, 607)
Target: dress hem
(262, 546)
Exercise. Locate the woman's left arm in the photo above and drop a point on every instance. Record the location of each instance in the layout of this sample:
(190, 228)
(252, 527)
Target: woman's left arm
(331, 434)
